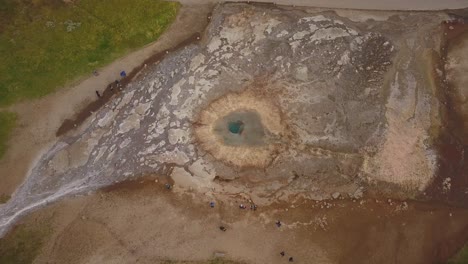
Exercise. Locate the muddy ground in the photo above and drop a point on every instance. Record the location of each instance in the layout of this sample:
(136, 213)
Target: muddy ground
(142, 222)
(355, 139)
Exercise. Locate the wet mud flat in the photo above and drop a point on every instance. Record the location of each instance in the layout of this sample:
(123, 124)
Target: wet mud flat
(331, 231)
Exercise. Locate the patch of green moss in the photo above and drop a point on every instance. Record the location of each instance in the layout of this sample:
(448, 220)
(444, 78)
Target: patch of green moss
(4, 198)
(461, 257)
(23, 243)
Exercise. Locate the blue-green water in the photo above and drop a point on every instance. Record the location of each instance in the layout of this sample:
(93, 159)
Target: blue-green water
(241, 128)
(236, 127)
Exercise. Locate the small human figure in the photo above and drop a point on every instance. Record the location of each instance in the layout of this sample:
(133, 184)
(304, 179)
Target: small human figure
(278, 223)
(98, 94)
(242, 206)
(123, 74)
(253, 207)
(291, 259)
(168, 186)
(282, 253)
(212, 204)
(118, 85)
(222, 228)
(95, 73)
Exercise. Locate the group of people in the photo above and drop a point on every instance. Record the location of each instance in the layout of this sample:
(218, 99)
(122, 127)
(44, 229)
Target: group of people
(115, 84)
(279, 224)
(241, 206)
(254, 208)
(291, 259)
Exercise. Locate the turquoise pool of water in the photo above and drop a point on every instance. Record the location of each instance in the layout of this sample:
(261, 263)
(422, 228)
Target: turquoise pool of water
(241, 128)
(236, 127)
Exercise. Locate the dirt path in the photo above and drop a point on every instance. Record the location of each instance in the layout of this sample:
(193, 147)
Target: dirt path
(38, 120)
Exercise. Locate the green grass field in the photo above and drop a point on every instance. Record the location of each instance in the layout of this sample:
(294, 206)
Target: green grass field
(45, 44)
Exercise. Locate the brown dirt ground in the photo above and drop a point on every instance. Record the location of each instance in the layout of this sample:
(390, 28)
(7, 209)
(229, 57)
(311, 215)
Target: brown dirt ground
(143, 222)
(39, 120)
